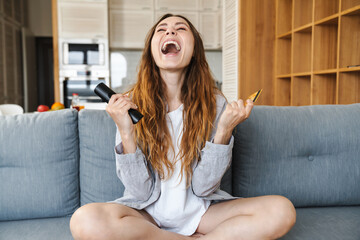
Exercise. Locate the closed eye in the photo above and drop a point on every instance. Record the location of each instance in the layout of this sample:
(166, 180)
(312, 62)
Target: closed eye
(181, 28)
(161, 29)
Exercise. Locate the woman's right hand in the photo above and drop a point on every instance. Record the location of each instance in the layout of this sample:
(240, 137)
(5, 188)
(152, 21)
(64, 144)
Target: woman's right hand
(118, 108)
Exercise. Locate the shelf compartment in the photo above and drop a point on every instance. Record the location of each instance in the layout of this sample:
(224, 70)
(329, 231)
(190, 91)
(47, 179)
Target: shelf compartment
(349, 40)
(303, 12)
(325, 8)
(300, 92)
(325, 45)
(346, 4)
(282, 91)
(302, 51)
(324, 89)
(284, 17)
(349, 87)
(283, 56)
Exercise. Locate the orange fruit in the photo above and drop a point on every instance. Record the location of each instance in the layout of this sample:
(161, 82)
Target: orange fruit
(57, 106)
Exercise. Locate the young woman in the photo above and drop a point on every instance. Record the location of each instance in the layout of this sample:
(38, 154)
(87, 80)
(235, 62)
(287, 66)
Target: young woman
(172, 161)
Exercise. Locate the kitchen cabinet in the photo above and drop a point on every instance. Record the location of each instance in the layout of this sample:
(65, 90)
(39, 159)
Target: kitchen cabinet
(170, 5)
(130, 20)
(128, 29)
(11, 81)
(12, 10)
(209, 5)
(83, 20)
(192, 16)
(210, 29)
(11, 64)
(132, 4)
(2, 56)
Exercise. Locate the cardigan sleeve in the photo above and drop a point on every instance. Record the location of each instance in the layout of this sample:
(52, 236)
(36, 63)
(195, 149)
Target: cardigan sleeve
(215, 159)
(133, 171)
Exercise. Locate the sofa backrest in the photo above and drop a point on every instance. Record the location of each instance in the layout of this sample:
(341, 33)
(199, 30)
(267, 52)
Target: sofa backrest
(309, 154)
(98, 179)
(39, 159)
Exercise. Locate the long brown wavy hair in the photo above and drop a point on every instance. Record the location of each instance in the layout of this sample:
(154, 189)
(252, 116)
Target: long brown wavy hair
(199, 101)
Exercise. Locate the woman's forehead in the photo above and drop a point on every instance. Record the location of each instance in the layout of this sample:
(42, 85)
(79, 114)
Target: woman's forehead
(172, 20)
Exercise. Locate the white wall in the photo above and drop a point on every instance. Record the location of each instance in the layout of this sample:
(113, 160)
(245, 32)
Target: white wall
(40, 17)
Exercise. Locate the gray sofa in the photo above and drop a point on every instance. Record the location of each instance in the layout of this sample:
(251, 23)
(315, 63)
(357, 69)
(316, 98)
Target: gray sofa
(52, 163)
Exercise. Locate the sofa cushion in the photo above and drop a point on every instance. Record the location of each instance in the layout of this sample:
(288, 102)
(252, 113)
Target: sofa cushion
(39, 229)
(309, 154)
(98, 179)
(326, 223)
(39, 165)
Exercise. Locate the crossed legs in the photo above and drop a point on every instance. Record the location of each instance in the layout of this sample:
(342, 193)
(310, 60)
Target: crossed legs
(266, 217)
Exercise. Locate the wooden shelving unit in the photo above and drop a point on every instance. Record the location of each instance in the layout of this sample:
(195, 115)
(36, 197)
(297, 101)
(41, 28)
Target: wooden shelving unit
(317, 52)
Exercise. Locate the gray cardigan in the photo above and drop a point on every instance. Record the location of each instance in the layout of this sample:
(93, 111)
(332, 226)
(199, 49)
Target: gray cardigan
(143, 184)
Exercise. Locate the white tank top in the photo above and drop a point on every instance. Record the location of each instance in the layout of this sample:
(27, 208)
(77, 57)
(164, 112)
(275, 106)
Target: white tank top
(177, 209)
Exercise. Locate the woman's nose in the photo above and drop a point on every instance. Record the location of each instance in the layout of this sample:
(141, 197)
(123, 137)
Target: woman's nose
(170, 31)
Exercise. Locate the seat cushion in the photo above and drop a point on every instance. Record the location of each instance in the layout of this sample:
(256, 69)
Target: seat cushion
(39, 159)
(98, 179)
(326, 223)
(39, 229)
(309, 154)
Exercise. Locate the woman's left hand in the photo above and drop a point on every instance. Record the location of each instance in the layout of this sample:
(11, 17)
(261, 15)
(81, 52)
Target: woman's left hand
(234, 114)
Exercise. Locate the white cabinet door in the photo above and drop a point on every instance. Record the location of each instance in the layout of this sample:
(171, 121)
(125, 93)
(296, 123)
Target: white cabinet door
(210, 29)
(128, 29)
(132, 4)
(209, 5)
(83, 20)
(85, 1)
(170, 5)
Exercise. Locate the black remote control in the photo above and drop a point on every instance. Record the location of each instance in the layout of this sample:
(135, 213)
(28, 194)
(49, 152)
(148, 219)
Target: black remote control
(105, 93)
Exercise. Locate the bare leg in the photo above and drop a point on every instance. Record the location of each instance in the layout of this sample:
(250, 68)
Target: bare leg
(267, 217)
(114, 221)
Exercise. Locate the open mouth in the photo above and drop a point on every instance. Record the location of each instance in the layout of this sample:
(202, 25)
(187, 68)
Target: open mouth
(170, 47)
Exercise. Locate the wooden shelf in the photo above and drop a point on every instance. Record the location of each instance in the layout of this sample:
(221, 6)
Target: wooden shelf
(350, 69)
(302, 51)
(283, 53)
(303, 12)
(349, 87)
(285, 35)
(349, 40)
(284, 16)
(327, 71)
(284, 76)
(301, 74)
(346, 4)
(325, 45)
(282, 91)
(322, 41)
(300, 92)
(324, 89)
(325, 8)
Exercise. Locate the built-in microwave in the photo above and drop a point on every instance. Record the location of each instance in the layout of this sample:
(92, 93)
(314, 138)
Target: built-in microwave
(83, 53)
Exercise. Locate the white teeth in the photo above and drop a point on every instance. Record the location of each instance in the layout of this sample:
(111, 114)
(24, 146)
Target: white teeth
(170, 42)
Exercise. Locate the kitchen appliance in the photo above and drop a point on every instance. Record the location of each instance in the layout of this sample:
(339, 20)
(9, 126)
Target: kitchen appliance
(83, 53)
(83, 63)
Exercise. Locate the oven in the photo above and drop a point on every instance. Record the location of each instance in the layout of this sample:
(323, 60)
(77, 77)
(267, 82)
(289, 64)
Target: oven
(85, 90)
